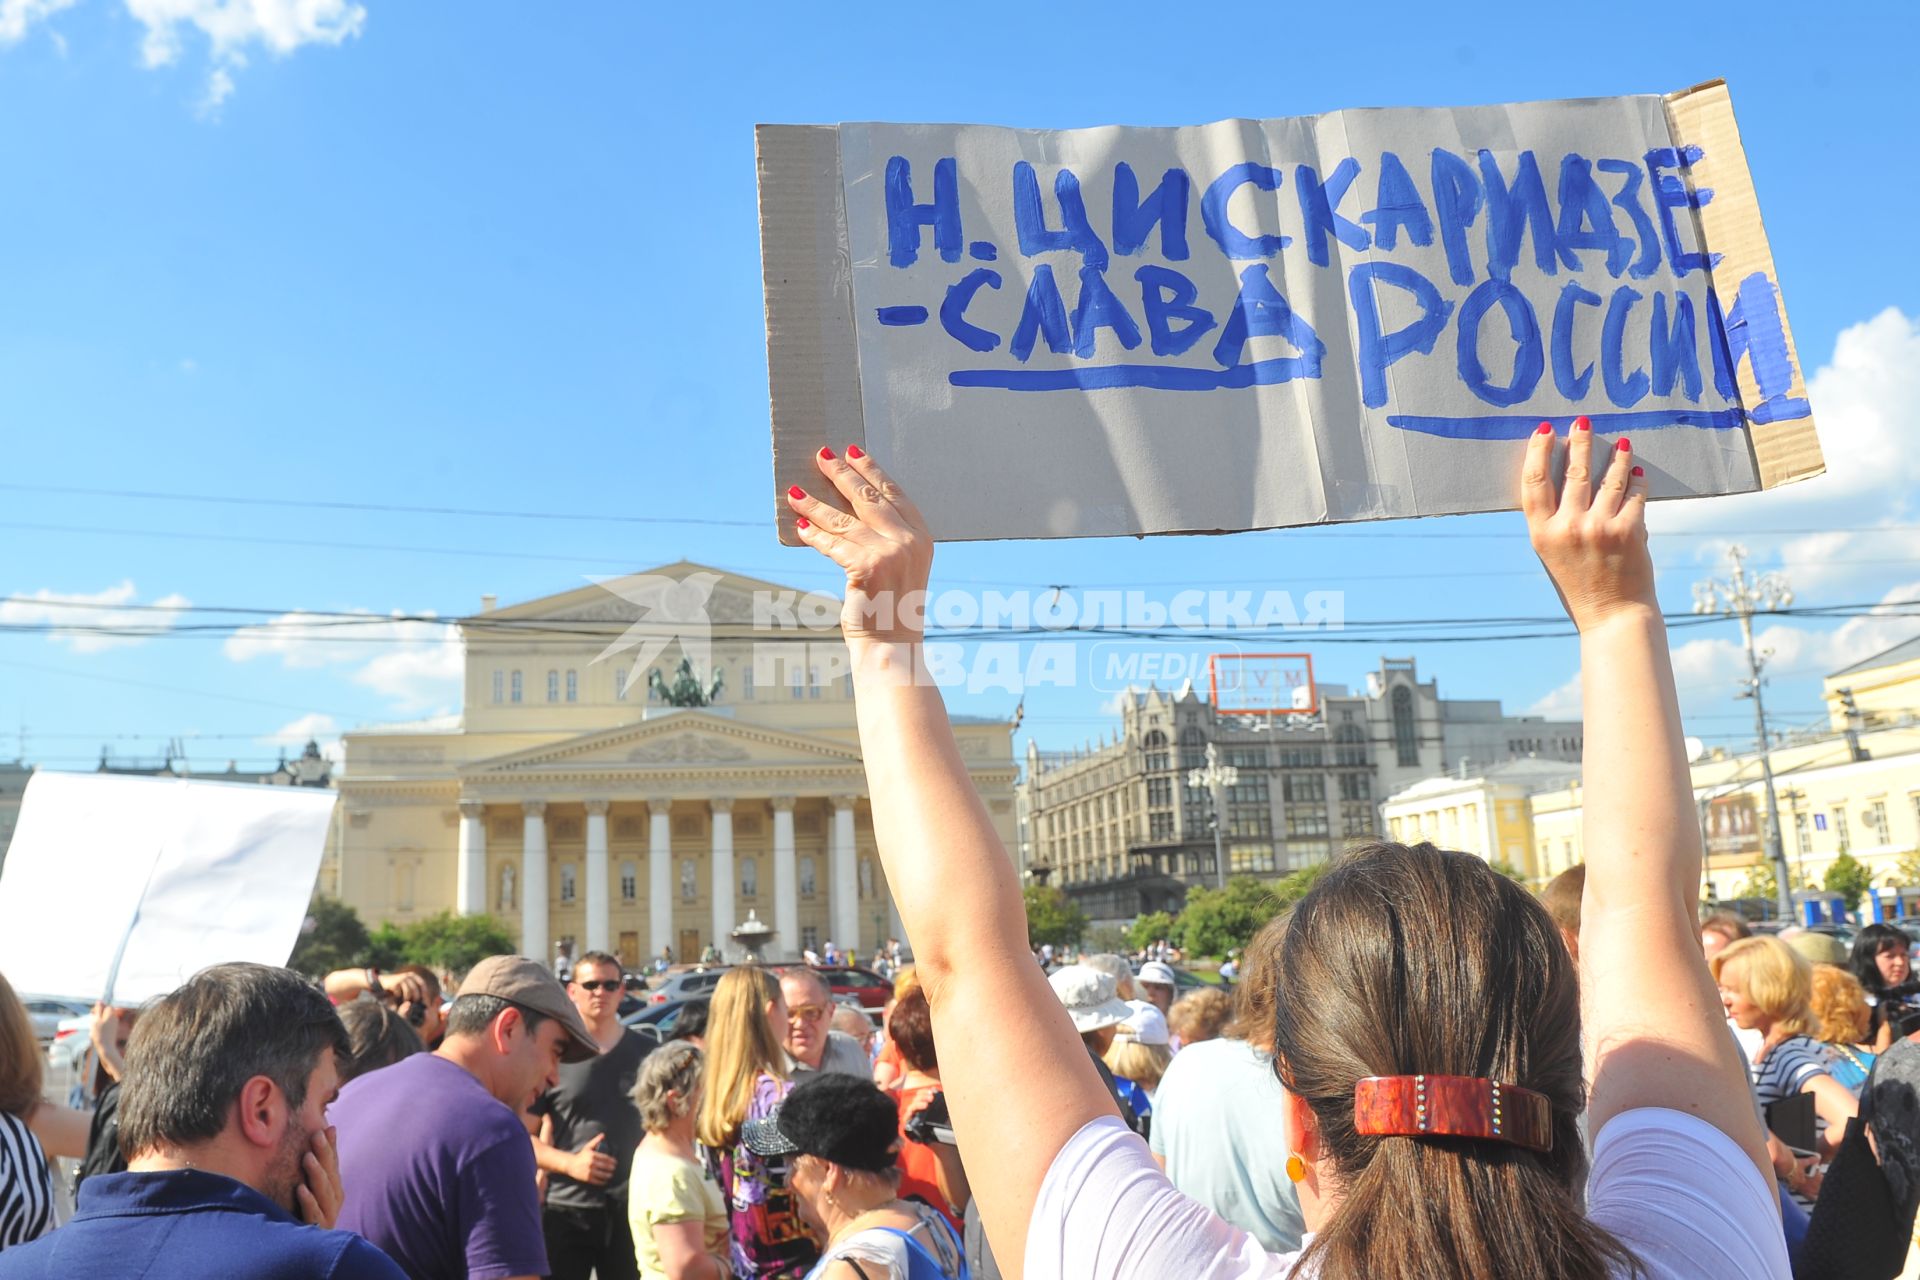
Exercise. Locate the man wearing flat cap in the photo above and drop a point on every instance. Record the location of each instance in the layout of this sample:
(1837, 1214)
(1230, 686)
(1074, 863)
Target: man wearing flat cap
(436, 1162)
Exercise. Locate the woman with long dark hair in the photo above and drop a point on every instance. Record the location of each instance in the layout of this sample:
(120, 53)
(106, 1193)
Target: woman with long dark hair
(1882, 959)
(1429, 1026)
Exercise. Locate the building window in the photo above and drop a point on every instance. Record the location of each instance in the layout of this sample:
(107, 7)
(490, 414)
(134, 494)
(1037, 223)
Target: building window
(629, 881)
(1356, 820)
(1306, 822)
(573, 686)
(1250, 822)
(569, 884)
(1159, 792)
(1155, 745)
(1193, 748)
(808, 885)
(809, 937)
(553, 686)
(1840, 837)
(1304, 788)
(1803, 838)
(1877, 821)
(1302, 758)
(1405, 740)
(499, 686)
(1160, 826)
(746, 682)
(689, 881)
(813, 682)
(620, 683)
(1251, 859)
(1356, 786)
(515, 687)
(749, 878)
(1251, 789)
(505, 898)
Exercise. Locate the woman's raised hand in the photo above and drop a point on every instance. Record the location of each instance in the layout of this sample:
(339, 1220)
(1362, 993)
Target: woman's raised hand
(883, 545)
(1593, 542)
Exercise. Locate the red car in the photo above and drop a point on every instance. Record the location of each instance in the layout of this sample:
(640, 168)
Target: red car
(864, 985)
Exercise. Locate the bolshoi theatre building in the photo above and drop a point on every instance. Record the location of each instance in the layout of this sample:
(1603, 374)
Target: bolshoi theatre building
(592, 803)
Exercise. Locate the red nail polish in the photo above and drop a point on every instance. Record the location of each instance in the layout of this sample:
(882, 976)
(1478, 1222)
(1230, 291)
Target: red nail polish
(796, 492)
(1639, 471)
(1623, 445)
(801, 522)
(1544, 429)
(826, 453)
(853, 451)
(1582, 424)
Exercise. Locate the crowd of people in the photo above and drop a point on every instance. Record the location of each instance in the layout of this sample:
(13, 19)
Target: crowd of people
(1420, 1070)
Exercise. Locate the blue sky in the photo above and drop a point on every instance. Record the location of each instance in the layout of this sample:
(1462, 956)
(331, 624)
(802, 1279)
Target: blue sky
(506, 257)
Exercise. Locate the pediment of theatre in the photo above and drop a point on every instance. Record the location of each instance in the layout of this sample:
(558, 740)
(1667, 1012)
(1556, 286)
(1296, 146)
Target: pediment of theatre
(698, 590)
(686, 739)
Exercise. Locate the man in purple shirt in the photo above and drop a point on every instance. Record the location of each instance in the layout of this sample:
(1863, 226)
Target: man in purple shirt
(438, 1167)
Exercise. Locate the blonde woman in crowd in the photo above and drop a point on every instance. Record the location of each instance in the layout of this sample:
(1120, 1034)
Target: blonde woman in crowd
(1199, 1016)
(1843, 1022)
(746, 1079)
(678, 1216)
(1767, 987)
(1141, 1049)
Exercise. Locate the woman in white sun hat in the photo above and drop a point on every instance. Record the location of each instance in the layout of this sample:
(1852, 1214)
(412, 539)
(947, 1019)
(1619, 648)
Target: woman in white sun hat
(1097, 1013)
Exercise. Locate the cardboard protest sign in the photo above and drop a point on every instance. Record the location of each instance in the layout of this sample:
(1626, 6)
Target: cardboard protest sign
(1255, 324)
(122, 887)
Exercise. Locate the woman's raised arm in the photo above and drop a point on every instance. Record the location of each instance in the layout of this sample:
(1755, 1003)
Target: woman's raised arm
(1656, 1033)
(1017, 1079)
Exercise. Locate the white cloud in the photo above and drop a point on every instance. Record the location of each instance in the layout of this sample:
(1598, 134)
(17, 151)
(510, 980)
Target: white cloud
(17, 17)
(233, 29)
(1562, 703)
(78, 619)
(315, 726)
(417, 665)
(1709, 669)
(1866, 400)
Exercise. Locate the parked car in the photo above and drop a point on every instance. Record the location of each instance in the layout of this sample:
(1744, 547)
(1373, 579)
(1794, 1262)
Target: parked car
(687, 983)
(659, 1020)
(46, 1013)
(864, 985)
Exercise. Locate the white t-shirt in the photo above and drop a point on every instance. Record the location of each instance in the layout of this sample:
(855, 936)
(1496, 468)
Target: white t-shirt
(1676, 1191)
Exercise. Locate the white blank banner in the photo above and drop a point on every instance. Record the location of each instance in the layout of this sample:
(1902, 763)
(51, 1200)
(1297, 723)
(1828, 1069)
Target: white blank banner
(128, 886)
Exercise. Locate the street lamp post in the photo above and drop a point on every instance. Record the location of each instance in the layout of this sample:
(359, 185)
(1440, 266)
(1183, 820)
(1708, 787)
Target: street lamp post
(1215, 778)
(1740, 598)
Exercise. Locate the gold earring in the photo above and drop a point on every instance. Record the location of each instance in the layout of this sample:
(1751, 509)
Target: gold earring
(1296, 1169)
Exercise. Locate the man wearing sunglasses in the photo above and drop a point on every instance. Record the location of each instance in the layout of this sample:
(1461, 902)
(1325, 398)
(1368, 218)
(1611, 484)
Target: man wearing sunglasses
(591, 1129)
(811, 1042)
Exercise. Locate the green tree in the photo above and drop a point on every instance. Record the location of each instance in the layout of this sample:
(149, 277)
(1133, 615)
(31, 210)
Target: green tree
(1848, 878)
(386, 947)
(456, 943)
(1760, 882)
(332, 938)
(1906, 869)
(1290, 888)
(1052, 917)
(1149, 929)
(1105, 939)
(1216, 919)
(1508, 870)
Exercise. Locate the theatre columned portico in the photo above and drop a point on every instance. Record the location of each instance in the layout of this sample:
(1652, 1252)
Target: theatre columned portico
(661, 830)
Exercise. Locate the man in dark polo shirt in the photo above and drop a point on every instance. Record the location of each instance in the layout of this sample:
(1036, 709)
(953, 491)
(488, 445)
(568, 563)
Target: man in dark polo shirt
(595, 1126)
(223, 1113)
(437, 1166)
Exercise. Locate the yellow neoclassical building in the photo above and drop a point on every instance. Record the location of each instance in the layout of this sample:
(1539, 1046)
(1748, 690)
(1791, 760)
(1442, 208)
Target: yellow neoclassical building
(574, 802)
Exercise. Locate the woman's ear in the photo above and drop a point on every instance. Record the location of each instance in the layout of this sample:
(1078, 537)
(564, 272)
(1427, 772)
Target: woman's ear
(1302, 1128)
